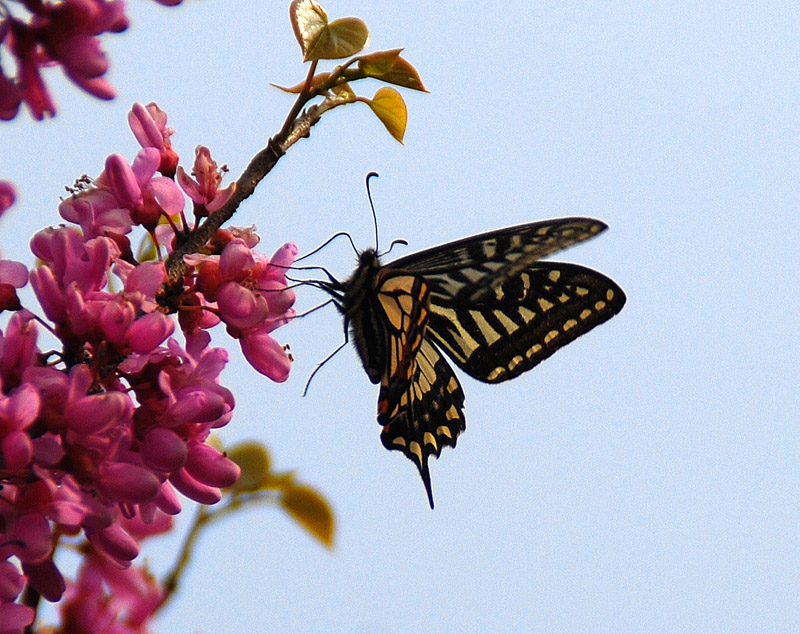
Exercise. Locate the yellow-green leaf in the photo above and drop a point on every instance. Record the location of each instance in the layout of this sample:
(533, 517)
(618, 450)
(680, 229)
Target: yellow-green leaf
(378, 63)
(311, 510)
(402, 73)
(253, 459)
(308, 21)
(389, 107)
(318, 80)
(343, 91)
(341, 38)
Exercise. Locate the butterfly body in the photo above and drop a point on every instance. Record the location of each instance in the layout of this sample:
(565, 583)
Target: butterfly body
(487, 301)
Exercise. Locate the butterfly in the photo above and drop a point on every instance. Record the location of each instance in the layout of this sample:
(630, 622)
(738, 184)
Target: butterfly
(488, 302)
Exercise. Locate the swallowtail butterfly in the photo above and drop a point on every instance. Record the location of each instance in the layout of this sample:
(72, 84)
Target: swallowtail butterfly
(488, 302)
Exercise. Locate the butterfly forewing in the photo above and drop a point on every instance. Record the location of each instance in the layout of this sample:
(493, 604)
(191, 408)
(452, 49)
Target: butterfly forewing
(472, 267)
(487, 302)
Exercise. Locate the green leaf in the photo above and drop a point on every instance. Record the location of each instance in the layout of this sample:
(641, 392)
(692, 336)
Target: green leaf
(341, 38)
(311, 510)
(308, 21)
(319, 39)
(389, 107)
(253, 459)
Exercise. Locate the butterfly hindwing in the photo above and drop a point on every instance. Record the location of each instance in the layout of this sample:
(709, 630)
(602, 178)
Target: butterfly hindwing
(428, 415)
(527, 318)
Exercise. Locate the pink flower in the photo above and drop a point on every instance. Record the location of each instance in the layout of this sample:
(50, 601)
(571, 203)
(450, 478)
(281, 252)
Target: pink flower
(149, 126)
(63, 33)
(13, 275)
(18, 411)
(10, 98)
(25, 47)
(205, 191)
(136, 189)
(265, 354)
(109, 599)
(17, 348)
(15, 618)
(97, 212)
(7, 193)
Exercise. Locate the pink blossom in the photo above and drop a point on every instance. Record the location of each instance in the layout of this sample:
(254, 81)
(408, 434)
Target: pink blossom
(149, 126)
(17, 348)
(136, 188)
(15, 618)
(74, 260)
(109, 599)
(11, 583)
(97, 212)
(18, 411)
(10, 99)
(164, 450)
(194, 489)
(25, 535)
(7, 193)
(265, 354)
(13, 275)
(148, 332)
(205, 191)
(46, 578)
(25, 47)
(60, 33)
(209, 466)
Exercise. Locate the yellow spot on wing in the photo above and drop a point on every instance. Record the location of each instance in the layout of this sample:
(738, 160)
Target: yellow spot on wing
(526, 314)
(489, 333)
(504, 319)
(399, 441)
(550, 336)
(416, 450)
(599, 305)
(444, 430)
(554, 275)
(430, 440)
(544, 304)
(571, 323)
(535, 349)
(585, 313)
(462, 338)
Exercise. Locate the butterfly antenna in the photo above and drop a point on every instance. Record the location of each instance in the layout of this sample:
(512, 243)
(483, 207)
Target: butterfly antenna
(391, 246)
(327, 242)
(323, 362)
(371, 206)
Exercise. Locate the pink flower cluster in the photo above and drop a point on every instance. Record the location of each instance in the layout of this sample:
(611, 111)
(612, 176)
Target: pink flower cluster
(102, 431)
(58, 32)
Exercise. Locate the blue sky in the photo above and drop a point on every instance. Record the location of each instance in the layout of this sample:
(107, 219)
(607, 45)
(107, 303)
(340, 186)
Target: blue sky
(645, 478)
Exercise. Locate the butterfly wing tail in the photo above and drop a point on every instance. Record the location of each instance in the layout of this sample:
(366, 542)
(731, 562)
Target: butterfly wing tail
(428, 415)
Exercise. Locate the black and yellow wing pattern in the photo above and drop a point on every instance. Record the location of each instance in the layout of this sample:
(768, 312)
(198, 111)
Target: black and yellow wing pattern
(487, 301)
